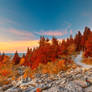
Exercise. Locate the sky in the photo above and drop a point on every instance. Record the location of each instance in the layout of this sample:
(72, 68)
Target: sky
(22, 22)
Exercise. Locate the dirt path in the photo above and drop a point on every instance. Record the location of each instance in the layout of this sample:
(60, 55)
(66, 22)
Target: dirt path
(78, 60)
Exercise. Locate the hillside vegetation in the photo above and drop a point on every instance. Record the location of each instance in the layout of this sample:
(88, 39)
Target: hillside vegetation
(48, 57)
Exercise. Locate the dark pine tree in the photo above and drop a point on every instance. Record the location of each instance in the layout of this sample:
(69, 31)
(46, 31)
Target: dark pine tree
(16, 58)
(77, 41)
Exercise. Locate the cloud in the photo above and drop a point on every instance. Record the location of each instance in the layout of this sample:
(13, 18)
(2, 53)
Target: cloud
(58, 32)
(15, 34)
(52, 32)
(21, 33)
(9, 32)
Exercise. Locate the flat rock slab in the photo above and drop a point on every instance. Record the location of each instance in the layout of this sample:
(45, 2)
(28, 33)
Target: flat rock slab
(81, 83)
(88, 89)
(72, 87)
(14, 90)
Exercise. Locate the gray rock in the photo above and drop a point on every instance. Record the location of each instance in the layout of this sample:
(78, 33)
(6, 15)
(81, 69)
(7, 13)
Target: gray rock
(88, 89)
(54, 89)
(14, 90)
(1, 90)
(37, 75)
(30, 90)
(5, 87)
(72, 87)
(80, 83)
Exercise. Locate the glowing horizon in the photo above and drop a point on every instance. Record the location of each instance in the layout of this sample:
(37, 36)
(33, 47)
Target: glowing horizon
(20, 46)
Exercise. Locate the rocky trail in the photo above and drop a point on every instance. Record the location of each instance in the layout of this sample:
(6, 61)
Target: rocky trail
(78, 60)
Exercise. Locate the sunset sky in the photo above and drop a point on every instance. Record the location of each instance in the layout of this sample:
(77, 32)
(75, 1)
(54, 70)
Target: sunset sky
(22, 22)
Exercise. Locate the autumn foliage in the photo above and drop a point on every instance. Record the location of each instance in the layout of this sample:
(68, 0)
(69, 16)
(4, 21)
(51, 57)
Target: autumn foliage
(48, 52)
(52, 50)
(38, 90)
(51, 56)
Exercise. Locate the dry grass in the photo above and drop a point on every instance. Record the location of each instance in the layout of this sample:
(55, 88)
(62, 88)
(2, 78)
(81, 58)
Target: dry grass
(50, 68)
(87, 61)
(7, 71)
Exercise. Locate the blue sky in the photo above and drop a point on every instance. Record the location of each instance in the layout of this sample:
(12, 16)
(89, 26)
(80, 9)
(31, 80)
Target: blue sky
(29, 19)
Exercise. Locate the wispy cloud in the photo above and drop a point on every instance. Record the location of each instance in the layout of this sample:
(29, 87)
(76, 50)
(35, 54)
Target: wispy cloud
(9, 32)
(57, 32)
(21, 32)
(52, 32)
(15, 34)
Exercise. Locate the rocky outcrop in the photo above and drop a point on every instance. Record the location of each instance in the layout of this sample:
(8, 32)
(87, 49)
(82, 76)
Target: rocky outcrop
(73, 80)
